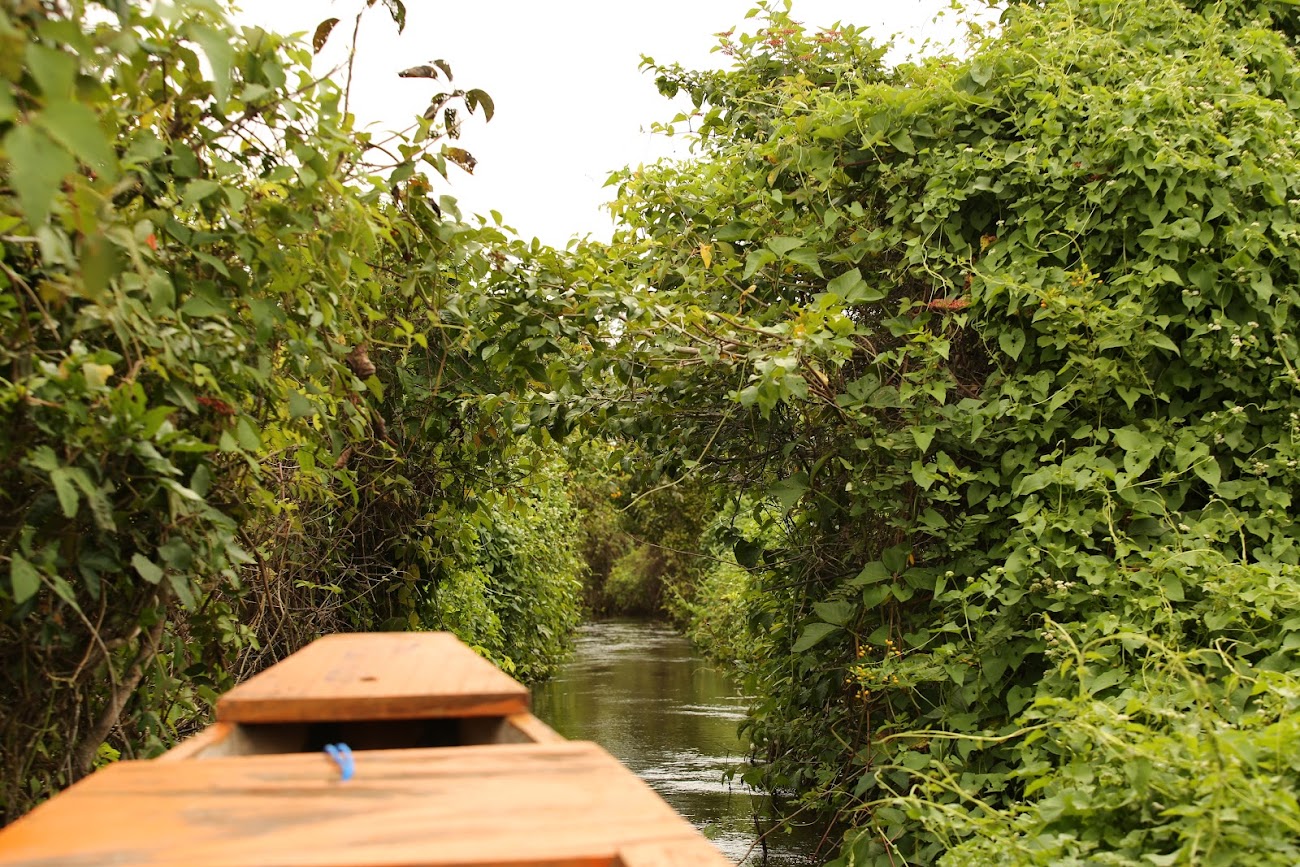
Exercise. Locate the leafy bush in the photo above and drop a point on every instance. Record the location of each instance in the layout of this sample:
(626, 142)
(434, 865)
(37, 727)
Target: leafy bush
(1010, 342)
(220, 434)
(169, 295)
(635, 583)
(640, 537)
(517, 598)
(719, 617)
(724, 617)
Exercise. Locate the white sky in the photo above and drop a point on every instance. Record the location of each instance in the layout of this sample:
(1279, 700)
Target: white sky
(571, 105)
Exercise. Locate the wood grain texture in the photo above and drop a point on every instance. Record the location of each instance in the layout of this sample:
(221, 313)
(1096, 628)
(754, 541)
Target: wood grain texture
(529, 805)
(211, 738)
(376, 676)
(677, 853)
(530, 729)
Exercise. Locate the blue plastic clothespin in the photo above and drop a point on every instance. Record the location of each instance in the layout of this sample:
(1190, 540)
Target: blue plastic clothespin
(342, 755)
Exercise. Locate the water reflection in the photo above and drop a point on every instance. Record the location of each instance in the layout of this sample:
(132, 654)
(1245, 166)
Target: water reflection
(640, 691)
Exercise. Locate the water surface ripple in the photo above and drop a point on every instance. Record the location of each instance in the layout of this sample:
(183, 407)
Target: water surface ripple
(642, 692)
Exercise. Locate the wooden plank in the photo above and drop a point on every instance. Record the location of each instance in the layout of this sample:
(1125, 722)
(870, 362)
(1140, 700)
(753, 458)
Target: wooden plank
(504, 805)
(526, 728)
(679, 853)
(214, 737)
(376, 676)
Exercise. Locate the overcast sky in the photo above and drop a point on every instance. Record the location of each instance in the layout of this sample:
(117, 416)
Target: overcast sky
(571, 104)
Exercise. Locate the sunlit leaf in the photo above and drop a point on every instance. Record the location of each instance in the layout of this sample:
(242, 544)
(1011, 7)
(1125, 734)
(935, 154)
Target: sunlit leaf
(216, 45)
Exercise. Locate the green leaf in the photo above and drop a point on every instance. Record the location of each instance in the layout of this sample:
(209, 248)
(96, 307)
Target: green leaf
(201, 480)
(807, 258)
(8, 108)
(1208, 470)
(66, 492)
(1131, 440)
(216, 46)
(100, 263)
(55, 71)
(895, 557)
(747, 553)
(1094, 684)
(1038, 480)
(1012, 342)
(300, 406)
(813, 634)
(99, 504)
(248, 435)
(197, 191)
(873, 573)
(202, 307)
(755, 260)
(24, 578)
(902, 140)
(923, 437)
(184, 589)
(847, 283)
(37, 169)
(180, 490)
(177, 553)
(837, 613)
(475, 98)
(64, 590)
(781, 245)
(44, 458)
(1138, 450)
(76, 127)
(1203, 275)
(787, 492)
(147, 569)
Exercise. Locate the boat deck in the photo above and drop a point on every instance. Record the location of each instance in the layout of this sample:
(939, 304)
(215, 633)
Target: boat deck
(450, 769)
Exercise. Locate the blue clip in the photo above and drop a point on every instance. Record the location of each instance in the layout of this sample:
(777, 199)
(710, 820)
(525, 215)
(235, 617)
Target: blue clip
(342, 755)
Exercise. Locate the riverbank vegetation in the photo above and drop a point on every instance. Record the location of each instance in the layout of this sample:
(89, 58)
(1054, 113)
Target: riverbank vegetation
(1008, 345)
(237, 405)
(957, 400)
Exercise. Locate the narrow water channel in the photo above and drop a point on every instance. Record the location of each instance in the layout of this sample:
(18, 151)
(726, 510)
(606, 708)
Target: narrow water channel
(643, 693)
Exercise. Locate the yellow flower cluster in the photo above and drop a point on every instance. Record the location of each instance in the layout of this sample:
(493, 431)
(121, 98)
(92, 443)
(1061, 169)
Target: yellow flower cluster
(866, 674)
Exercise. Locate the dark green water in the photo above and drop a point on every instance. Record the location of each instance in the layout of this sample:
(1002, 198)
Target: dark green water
(642, 692)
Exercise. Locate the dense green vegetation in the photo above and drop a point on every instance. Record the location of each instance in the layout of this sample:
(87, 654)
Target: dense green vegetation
(957, 401)
(1008, 345)
(238, 408)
